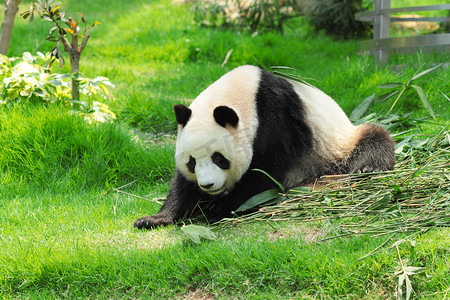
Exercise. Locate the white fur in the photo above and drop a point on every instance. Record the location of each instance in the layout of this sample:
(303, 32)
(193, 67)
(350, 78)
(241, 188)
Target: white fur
(202, 136)
(334, 136)
(333, 131)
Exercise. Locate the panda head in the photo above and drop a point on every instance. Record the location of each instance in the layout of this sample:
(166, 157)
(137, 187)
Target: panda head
(209, 149)
(216, 132)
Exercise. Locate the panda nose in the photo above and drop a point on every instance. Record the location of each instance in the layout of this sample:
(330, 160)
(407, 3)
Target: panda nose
(207, 186)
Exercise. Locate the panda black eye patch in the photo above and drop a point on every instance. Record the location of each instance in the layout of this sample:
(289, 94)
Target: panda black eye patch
(191, 164)
(219, 160)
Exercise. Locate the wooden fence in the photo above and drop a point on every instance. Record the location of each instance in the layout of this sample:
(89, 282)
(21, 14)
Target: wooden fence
(382, 44)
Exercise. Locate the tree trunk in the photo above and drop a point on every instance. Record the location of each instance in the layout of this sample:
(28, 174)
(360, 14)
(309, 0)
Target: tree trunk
(74, 53)
(75, 69)
(75, 66)
(11, 9)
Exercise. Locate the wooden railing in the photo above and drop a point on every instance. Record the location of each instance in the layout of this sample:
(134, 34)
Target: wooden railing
(382, 44)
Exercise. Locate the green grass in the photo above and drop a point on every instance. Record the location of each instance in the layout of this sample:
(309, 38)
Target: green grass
(82, 246)
(156, 57)
(52, 149)
(64, 233)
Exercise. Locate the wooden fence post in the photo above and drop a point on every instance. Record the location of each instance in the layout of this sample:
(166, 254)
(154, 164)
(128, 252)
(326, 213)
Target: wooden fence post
(381, 29)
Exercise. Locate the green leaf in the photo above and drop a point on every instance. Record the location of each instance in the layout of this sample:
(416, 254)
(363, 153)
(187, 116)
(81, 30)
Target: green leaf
(328, 200)
(32, 9)
(419, 171)
(46, 18)
(425, 72)
(445, 96)
(282, 68)
(362, 108)
(300, 190)
(401, 279)
(280, 186)
(399, 146)
(259, 199)
(418, 144)
(384, 97)
(196, 232)
(390, 85)
(393, 209)
(413, 270)
(424, 99)
(409, 288)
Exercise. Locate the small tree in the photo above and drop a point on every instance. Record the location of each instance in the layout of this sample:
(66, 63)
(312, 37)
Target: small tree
(11, 8)
(63, 28)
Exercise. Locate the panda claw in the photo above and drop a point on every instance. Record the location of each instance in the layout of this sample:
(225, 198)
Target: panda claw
(368, 170)
(150, 222)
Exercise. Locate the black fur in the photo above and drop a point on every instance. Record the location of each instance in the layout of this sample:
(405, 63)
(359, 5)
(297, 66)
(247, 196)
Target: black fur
(219, 160)
(374, 152)
(182, 198)
(281, 133)
(191, 164)
(182, 114)
(225, 115)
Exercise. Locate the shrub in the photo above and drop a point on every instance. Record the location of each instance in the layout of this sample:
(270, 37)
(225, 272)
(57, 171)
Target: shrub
(337, 18)
(28, 79)
(253, 15)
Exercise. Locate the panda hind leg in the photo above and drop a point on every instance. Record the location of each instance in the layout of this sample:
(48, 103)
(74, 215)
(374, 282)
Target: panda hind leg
(374, 151)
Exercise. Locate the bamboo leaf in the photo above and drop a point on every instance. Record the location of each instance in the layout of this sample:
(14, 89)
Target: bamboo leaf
(282, 68)
(445, 96)
(300, 190)
(384, 97)
(409, 288)
(401, 279)
(399, 146)
(424, 99)
(425, 72)
(390, 85)
(413, 270)
(259, 199)
(195, 233)
(418, 144)
(362, 108)
(280, 186)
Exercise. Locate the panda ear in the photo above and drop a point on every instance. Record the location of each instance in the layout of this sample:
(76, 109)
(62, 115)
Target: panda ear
(182, 114)
(225, 115)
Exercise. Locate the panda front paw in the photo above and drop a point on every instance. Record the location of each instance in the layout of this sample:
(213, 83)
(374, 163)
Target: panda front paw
(150, 222)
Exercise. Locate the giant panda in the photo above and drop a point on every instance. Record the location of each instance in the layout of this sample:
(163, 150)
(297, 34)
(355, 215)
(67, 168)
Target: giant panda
(250, 119)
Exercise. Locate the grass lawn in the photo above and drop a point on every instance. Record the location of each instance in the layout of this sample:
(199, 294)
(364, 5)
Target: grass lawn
(66, 232)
